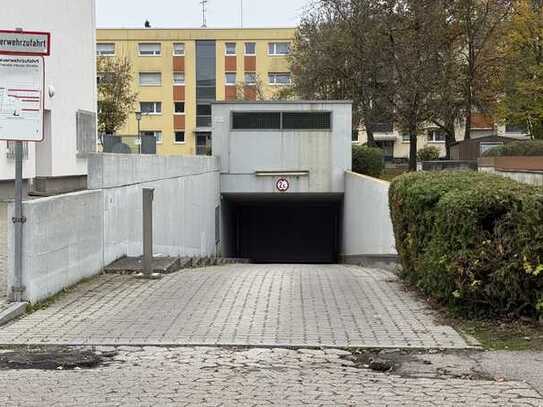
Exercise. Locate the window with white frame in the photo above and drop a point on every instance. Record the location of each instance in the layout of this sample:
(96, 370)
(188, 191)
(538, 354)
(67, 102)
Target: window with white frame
(230, 48)
(153, 133)
(179, 136)
(105, 49)
(250, 48)
(149, 49)
(230, 78)
(178, 78)
(150, 78)
(279, 78)
(436, 136)
(250, 78)
(279, 48)
(406, 137)
(151, 107)
(179, 48)
(179, 107)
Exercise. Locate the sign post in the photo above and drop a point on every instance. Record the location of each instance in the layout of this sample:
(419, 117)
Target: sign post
(22, 78)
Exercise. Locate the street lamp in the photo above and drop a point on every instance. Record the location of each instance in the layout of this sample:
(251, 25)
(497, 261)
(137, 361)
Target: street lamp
(138, 118)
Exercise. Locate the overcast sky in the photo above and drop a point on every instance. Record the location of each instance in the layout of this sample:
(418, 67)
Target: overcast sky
(188, 13)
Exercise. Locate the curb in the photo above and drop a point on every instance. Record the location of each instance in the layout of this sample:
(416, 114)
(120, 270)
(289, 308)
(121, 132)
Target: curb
(13, 310)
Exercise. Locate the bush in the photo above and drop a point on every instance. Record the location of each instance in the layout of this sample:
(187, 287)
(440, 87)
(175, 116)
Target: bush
(428, 153)
(517, 148)
(470, 240)
(368, 160)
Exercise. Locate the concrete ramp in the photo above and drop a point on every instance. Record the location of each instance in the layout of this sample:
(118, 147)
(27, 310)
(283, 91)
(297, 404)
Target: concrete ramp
(368, 238)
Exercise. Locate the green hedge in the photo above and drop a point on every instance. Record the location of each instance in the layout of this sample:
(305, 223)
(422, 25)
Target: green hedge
(472, 241)
(368, 160)
(428, 153)
(517, 148)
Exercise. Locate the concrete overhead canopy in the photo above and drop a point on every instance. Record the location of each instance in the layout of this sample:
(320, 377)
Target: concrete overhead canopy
(306, 142)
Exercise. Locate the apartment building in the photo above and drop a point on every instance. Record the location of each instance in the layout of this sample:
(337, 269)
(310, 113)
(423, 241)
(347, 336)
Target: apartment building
(179, 73)
(395, 143)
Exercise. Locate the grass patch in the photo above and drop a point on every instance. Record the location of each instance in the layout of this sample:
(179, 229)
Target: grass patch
(31, 308)
(505, 335)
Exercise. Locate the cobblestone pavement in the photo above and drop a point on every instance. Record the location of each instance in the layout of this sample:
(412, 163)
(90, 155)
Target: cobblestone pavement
(260, 305)
(256, 377)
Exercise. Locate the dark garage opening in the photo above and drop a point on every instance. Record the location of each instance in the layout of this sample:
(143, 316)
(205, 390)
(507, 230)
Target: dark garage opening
(282, 228)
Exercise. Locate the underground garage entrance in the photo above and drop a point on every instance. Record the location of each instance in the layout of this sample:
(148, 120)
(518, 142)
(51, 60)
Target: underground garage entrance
(271, 228)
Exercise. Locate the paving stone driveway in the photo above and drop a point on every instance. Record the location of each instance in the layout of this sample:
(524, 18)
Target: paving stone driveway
(258, 305)
(257, 377)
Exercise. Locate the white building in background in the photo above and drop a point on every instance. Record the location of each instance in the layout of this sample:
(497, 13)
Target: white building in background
(58, 163)
(395, 143)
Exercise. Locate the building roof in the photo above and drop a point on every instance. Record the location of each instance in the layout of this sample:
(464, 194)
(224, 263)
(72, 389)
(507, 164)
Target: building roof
(493, 137)
(173, 34)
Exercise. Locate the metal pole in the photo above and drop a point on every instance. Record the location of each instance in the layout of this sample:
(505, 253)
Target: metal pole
(18, 220)
(139, 137)
(148, 195)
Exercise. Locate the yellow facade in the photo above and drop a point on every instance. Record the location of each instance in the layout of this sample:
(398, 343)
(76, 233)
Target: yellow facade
(126, 44)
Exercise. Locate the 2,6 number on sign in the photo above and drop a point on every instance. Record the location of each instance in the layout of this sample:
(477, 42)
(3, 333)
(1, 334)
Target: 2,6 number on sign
(282, 185)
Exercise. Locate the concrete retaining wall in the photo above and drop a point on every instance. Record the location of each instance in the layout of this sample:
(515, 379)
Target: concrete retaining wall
(368, 237)
(62, 242)
(73, 236)
(527, 177)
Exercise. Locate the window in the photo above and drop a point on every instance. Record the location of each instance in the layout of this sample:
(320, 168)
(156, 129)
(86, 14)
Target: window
(203, 110)
(230, 48)
(203, 115)
(406, 138)
(250, 78)
(179, 136)
(515, 128)
(105, 49)
(279, 78)
(151, 107)
(178, 78)
(256, 120)
(307, 121)
(383, 127)
(150, 78)
(178, 48)
(230, 78)
(436, 136)
(355, 136)
(179, 107)
(279, 48)
(153, 133)
(250, 48)
(149, 49)
(484, 147)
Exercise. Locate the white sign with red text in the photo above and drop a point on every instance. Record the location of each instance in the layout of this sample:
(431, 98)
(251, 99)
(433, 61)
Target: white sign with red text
(21, 97)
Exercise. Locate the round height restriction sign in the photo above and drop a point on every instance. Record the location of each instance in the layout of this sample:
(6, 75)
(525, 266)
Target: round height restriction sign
(282, 185)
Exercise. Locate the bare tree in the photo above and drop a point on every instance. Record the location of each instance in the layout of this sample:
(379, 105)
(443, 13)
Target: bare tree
(481, 23)
(410, 49)
(334, 58)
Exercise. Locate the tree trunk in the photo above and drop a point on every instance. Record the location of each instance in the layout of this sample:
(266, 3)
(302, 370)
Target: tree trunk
(450, 139)
(467, 134)
(413, 150)
(371, 138)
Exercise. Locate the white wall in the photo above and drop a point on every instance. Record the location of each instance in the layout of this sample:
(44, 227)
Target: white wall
(367, 227)
(71, 70)
(325, 155)
(73, 236)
